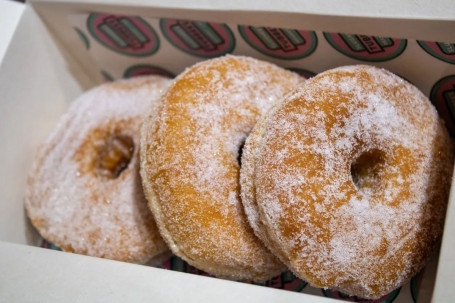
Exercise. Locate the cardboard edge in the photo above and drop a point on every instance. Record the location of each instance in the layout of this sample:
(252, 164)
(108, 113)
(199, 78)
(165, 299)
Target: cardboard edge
(57, 276)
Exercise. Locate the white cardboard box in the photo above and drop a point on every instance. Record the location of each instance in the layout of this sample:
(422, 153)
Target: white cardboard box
(47, 66)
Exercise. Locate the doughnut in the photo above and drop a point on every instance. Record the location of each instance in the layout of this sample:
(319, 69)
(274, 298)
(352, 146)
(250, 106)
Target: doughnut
(190, 166)
(350, 180)
(247, 182)
(84, 191)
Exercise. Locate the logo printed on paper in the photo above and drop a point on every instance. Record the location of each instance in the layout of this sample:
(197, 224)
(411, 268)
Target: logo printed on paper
(442, 95)
(366, 48)
(344, 297)
(146, 69)
(131, 36)
(280, 42)
(442, 50)
(201, 39)
(303, 72)
(83, 37)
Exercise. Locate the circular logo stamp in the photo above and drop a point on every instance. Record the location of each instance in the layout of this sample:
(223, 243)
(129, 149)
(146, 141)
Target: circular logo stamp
(442, 95)
(200, 39)
(303, 72)
(281, 43)
(83, 37)
(366, 48)
(441, 50)
(146, 69)
(344, 297)
(127, 35)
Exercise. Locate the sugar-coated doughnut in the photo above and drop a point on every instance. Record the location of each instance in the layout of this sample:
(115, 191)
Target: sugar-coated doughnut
(190, 169)
(247, 181)
(351, 175)
(84, 191)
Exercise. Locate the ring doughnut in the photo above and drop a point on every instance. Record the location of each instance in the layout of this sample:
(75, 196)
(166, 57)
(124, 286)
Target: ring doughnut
(190, 169)
(351, 175)
(247, 182)
(84, 192)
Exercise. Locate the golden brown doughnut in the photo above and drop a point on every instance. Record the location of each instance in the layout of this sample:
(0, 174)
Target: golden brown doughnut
(351, 175)
(84, 191)
(190, 169)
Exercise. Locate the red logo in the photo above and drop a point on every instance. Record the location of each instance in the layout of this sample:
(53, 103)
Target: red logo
(280, 43)
(441, 50)
(131, 36)
(442, 95)
(366, 48)
(201, 39)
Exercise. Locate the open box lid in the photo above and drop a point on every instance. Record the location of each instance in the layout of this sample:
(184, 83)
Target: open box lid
(50, 73)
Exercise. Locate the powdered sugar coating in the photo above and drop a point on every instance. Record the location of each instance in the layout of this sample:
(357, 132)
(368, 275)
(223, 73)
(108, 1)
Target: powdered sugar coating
(190, 169)
(365, 237)
(247, 181)
(71, 202)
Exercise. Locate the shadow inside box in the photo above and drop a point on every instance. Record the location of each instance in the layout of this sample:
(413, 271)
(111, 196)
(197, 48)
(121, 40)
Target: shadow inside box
(287, 280)
(344, 297)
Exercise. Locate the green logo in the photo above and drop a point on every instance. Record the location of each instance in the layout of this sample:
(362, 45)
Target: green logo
(127, 35)
(440, 50)
(281, 43)
(200, 39)
(366, 48)
(83, 37)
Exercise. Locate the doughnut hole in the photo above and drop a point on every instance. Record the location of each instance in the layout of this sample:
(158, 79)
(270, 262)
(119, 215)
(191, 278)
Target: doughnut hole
(367, 171)
(114, 156)
(240, 152)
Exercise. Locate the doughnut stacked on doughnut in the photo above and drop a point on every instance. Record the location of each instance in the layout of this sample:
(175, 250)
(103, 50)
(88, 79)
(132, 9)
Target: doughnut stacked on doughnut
(190, 167)
(347, 180)
(84, 190)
